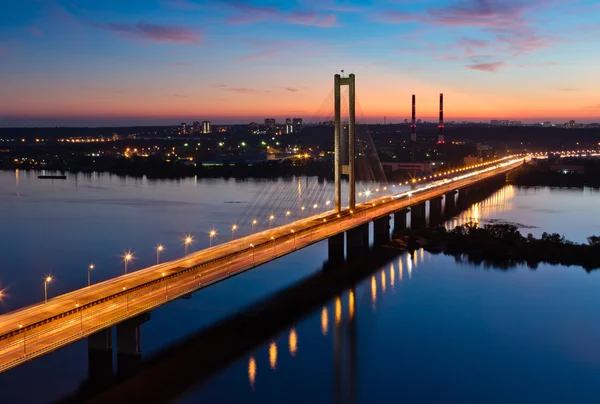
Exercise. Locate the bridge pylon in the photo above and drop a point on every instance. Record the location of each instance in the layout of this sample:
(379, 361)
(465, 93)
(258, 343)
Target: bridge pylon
(344, 147)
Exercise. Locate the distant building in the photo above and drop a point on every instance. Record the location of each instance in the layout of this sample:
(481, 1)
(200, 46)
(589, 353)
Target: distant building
(270, 123)
(297, 124)
(196, 127)
(183, 129)
(206, 127)
(289, 128)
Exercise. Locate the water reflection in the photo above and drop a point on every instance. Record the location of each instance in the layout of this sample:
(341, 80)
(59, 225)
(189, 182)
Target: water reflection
(252, 371)
(409, 265)
(338, 311)
(351, 304)
(400, 268)
(382, 281)
(373, 291)
(392, 275)
(273, 355)
(500, 201)
(293, 342)
(324, 321)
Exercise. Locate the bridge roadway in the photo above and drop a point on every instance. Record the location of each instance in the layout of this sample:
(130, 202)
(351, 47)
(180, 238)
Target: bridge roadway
(41, 328)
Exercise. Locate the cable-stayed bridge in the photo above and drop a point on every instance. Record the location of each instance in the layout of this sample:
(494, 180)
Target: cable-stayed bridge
(281, 222)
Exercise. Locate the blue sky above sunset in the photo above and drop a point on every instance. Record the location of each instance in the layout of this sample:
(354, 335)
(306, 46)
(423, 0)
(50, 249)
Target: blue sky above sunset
(110, 62)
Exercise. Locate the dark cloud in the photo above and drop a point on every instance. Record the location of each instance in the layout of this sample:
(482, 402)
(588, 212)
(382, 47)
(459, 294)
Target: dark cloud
(180, 95)
(292, 89)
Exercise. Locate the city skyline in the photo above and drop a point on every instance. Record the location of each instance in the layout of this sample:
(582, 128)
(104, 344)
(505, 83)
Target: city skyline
(164, 62)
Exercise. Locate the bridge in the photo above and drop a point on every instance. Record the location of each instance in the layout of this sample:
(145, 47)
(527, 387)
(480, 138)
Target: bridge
(126, 301)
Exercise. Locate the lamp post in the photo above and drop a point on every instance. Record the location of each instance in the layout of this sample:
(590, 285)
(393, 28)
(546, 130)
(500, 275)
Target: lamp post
(90, 268)
(159, 249)
(126, 258)
(274, 245)
(271, 218)
(46, 282)
(186, 242)
(233, 229)
(287, 215)
(210, 237)
(254, 223)
(294, 234)
(252, 247)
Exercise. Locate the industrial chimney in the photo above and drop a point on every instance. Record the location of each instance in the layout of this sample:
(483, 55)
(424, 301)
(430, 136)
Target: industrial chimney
(413, 125)
(441, 124)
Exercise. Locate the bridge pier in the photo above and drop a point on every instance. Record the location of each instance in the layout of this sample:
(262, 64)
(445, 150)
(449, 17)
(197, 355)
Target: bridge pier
(129, 343)
(435, 210)
(450, 203)
(336, 248)
(100, 356)
(400, 219)
(417, 215)
(357, 241)
(381, 230)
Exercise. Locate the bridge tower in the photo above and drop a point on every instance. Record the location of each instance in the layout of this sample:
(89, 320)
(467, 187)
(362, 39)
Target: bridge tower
(344, 147)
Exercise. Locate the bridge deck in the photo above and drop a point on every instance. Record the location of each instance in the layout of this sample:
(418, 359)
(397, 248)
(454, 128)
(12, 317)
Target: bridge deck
(35, 330)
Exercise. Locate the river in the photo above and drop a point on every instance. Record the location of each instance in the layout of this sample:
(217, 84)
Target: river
(421, 328)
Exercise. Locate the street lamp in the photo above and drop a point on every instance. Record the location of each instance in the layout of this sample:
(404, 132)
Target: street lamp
(159, 249)
(211, 235)
(127, 257)
(254, 223)
(274, 245)
(186, 242)
(271, 220)
(287, 214)
(252, 247)
(294, 233)
(46, 282)
(90, 268)
(233, 228)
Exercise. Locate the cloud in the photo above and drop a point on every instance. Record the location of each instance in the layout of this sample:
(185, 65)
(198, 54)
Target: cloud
(240, 90)
(250, 14)
(179, 95)
(182, 64)
(505, 22)
(486, 67)
(154, 33)
(291, 89)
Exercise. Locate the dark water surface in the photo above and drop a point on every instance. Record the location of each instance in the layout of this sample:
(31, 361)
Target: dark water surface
(420, 328)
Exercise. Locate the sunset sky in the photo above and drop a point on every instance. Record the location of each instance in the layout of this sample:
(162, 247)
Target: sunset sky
(130, 62)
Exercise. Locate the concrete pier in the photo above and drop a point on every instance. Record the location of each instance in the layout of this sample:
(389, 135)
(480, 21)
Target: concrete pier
(400, 219)
(435, 210)
(381, 230)
(100, 355)
(417, 215)
(450, 203)
(336, 248)
(129, 343)
(357, 241)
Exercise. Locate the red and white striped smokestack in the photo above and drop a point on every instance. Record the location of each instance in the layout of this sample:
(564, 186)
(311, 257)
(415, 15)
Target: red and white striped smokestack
(441, 124)
(413, 125)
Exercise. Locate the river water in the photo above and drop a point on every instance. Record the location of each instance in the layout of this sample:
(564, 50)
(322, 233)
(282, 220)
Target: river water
(421, 328)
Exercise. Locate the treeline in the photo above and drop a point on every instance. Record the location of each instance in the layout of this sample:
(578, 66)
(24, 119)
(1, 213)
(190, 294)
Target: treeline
(503, 243)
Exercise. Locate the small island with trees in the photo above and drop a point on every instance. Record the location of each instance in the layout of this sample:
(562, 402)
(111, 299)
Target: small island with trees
(502, 244)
